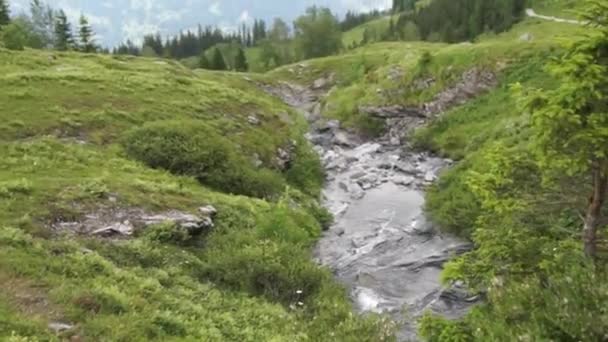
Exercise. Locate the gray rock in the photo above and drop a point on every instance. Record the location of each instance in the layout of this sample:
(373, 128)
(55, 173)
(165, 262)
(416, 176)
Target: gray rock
(396, 111)
(395, 73)
(421, 226)
(59, 327)
(253, 120)
(526, 37)
(330, 125)
(256, 160)
(403, 180)
(320, 83)
(193, 224)
(358, 175)
(121, 229)
(208, 211)
(356, 192)
(430, 177)
(342, 139)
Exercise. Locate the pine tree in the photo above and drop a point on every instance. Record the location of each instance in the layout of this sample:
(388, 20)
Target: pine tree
(569, 122)
(64, 39)
(86, 36)
(203, 61)
(240, 62)
(5, 17)
(217, 62)
(43, 22)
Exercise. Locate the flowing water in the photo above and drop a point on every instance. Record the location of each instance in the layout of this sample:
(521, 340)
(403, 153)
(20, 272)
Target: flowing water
(381, 245)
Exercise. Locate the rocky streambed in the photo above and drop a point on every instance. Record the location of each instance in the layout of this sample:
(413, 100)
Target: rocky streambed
(381, 245)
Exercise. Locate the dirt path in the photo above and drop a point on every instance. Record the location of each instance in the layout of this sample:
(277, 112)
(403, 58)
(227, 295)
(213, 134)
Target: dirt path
(532, 14)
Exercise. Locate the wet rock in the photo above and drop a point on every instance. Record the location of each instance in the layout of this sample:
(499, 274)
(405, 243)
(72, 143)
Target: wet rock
(403, 180)
(253, 120)
(407, 168)
(421, 226)
(342, 139)
(116, 229)
(59, 327)
(356, 192)
(369, 181)
(330, 125)
(430, 177)
(395, 111)
(343, 186)
(358, 175)
(340, 231)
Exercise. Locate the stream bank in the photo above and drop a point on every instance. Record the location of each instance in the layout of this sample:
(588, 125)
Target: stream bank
(381, 246)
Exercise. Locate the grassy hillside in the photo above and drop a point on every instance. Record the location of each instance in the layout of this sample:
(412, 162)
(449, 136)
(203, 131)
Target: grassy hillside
(376, 28)
(90, 136)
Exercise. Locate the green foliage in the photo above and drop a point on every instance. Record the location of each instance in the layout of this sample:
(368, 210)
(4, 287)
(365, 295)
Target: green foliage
(437, 329)
(167, 233)
(317, 33)
(195, 149)
(86, 42)
(453, 21)
(217, 60)
(4, 13)
(240, 61)
(203, 62)
(306, 172)
(19, 34)
(64, 38)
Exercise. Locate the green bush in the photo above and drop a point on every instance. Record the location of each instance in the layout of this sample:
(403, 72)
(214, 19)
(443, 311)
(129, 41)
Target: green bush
(451, 204)
(167, 233)
(194, 149)
(306, 172)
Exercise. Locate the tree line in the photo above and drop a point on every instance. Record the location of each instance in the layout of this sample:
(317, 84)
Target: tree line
(453, 20)
(316, 33)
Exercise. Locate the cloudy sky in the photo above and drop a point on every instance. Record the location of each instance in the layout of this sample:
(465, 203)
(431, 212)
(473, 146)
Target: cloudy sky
(118, 20)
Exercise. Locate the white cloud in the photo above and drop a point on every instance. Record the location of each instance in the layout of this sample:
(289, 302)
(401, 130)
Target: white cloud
(74, 14)
(215, 9)
(169, 15)
(366, 5)
(244, 17)
(135, 30)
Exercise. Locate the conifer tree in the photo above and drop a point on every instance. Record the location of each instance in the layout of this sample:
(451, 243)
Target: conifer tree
(217, 62)
(64, 39)
(85, 35)
(4, 13)
(570, 123)
(240, 62)
(203, 61)
(43, 22)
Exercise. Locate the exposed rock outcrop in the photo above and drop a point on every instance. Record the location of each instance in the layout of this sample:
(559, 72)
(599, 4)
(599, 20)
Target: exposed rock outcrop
(124, 222)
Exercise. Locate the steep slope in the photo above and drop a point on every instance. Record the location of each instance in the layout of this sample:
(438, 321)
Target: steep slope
(113, 169)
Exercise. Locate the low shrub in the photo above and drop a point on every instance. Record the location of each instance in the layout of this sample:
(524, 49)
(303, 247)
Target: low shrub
(194, 149)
